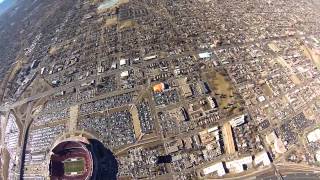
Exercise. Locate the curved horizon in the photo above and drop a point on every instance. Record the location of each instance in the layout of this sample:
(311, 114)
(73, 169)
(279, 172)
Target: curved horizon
(6, 5)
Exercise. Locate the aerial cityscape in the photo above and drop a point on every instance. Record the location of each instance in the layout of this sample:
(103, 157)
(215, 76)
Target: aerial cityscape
(159, 89)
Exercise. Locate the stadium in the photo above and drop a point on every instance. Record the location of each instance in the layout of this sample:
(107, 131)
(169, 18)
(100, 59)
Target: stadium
(71, 160)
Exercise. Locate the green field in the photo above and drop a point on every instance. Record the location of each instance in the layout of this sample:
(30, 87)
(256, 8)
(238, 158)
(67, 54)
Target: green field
(74, 166)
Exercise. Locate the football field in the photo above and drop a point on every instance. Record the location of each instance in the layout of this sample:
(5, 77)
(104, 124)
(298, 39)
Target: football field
(74, 166)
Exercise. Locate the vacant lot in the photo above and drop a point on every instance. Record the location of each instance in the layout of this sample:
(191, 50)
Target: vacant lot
(221, 86)
(312, 55)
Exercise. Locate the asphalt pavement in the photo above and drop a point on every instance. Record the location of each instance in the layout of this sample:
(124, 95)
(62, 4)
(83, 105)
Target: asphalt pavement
(294, 176)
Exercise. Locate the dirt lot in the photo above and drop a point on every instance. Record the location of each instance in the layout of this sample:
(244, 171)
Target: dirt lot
(312, 55)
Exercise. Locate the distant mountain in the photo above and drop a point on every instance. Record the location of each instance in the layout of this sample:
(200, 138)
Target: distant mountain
(5, 5)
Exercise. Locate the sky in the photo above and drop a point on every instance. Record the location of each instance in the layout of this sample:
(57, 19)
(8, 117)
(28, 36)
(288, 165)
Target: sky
(1, 1)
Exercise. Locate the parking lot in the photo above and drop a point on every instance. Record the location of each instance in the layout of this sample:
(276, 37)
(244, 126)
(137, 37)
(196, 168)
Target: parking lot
(114, 129)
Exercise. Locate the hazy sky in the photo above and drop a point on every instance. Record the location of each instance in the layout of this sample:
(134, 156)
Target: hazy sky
(1, 1)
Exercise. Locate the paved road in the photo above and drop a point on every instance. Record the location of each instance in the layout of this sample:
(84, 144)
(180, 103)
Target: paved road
(301, 176)
(288, 172)
(292, 172)
(294, 176)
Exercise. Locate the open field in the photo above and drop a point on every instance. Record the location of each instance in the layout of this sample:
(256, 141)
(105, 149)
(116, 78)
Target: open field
(112, 21)
(126, 24)
(267, 89)
(312, 55)
(220, 86)
(39, 85)
(224, 92)
(295, 79)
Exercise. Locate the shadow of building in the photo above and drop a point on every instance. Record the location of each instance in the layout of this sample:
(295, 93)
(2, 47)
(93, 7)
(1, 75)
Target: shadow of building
(105, 163)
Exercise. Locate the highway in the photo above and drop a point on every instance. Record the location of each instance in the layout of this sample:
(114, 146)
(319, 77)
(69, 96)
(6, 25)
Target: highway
(292, 172)
(288, 172)
(292, 176)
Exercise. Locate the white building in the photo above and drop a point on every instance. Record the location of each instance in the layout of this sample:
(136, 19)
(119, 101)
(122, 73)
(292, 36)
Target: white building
(124, 74)
(42, 70)
(211, 102)
(262, 158)
(205, 55)
(237, 121)
(114, 65)
(237, 166)
(317, 156)
(218, 168)
(123, 62)
(261, 98)
(314, 135)
(150, 57)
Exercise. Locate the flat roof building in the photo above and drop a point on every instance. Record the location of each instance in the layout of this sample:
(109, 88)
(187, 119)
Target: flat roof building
(150, 57)
(237, 121)
(314, 135)
(158, 87)
(205, 55)
(123, 62)
(239, 165)
(262, 158)
(218, 168)
(124, 74)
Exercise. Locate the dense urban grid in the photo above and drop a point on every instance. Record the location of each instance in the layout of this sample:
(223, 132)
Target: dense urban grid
(175, 89)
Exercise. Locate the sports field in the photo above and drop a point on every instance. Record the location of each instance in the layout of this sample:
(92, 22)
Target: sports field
(74, 166)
